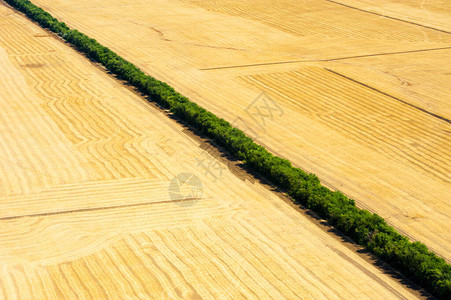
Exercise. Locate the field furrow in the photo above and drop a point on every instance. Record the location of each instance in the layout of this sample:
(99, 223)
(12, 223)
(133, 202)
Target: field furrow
(379, 122)
(86, 209)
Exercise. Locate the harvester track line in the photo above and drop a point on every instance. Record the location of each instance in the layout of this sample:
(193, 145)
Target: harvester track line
(81, 210)
(393, 97)
(323, 60)
(388, 17)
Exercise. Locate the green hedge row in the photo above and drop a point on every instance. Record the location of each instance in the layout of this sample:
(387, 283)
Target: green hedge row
(413, 259)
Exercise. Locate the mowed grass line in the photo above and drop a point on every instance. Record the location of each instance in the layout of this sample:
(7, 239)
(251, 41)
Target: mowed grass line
(414, 260)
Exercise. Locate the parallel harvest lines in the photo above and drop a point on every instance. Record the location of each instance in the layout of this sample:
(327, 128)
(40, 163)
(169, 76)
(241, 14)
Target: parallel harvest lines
(20, 44)
(107, 136)
(79, 110)
(298, 18)
(92, 231)
(365, 115)
(23, 153)
(89, 195)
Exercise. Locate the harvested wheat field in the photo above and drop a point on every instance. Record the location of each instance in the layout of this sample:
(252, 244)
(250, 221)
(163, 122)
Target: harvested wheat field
(86, 209)
(356, 92)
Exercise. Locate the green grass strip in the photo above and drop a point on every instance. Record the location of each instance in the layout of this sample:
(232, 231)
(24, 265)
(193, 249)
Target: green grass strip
(414, 260)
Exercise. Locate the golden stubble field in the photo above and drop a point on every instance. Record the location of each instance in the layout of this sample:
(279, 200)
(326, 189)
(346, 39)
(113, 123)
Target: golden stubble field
(358, 92)
(85, 210)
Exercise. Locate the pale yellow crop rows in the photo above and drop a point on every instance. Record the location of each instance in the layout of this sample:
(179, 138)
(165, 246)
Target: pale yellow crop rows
(360, 87)
(85, 210)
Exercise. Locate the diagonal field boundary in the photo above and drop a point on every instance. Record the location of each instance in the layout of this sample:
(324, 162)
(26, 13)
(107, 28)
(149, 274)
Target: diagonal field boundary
(388, 17)
(393, 97)
(323, 60)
